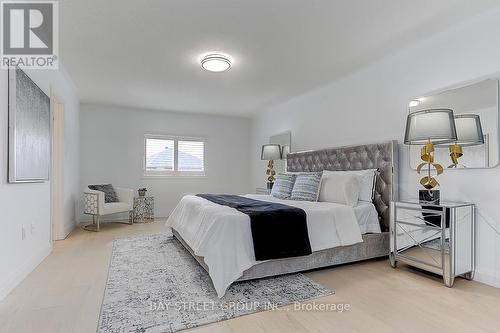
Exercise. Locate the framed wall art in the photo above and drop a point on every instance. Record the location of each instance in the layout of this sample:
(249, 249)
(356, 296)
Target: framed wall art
(29, 130)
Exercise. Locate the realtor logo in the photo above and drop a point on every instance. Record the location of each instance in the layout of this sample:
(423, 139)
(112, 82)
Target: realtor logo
(29, 34)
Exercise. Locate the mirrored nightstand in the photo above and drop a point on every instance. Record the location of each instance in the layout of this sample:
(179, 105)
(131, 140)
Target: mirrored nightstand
(262, 190)
(436, 238)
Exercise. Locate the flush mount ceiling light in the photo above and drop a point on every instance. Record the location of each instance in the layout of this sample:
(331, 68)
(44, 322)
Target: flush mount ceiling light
(216, 63)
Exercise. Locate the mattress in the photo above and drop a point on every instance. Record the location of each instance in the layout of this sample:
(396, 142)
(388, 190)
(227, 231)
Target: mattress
(365, 212)
(367, 218)
(222, 236)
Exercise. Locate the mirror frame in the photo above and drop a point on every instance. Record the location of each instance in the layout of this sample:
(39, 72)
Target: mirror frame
(282, 163)
(457, 86)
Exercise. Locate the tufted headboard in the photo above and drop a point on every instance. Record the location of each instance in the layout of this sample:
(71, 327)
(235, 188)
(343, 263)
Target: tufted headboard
(383, 156)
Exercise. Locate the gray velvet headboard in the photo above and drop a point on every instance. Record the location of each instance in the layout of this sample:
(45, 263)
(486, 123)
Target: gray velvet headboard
(382, 156)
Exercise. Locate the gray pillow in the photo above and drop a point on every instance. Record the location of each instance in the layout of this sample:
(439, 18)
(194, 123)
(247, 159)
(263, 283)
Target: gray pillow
(306, 187)
(283, 185)
(109, 192)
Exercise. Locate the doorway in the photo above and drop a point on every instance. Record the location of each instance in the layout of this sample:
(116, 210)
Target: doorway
(57, 171)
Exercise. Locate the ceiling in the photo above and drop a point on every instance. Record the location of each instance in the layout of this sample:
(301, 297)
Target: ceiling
(146, 53)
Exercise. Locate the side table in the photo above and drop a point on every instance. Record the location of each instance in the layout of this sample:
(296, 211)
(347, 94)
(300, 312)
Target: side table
(143, 211)
(438, 238)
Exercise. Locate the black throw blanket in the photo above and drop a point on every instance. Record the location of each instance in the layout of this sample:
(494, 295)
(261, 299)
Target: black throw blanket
(278, 231)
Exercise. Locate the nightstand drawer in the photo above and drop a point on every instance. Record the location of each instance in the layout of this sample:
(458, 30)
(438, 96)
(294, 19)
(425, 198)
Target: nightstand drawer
(422, 215)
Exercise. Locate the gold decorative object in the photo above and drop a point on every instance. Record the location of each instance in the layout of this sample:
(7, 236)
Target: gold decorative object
(427, 155)
(455, 153)
(270, 172)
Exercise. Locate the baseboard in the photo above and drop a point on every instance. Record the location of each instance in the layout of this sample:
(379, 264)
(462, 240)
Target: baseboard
(489, 278)
(67, 230)
(105, 219)
(17, 276)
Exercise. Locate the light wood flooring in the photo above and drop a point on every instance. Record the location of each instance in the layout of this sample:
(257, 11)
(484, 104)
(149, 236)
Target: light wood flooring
(64, 293)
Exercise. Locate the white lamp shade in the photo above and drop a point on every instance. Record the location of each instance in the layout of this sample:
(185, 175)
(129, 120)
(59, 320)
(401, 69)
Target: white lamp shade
(437, 125)
(271, 152)
(469, 130)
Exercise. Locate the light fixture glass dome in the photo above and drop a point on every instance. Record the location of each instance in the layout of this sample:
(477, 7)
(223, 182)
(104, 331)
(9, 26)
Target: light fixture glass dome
(216, 63)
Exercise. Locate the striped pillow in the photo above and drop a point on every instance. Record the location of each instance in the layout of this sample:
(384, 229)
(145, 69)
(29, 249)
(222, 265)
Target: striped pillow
(306, 187)
(282, 188)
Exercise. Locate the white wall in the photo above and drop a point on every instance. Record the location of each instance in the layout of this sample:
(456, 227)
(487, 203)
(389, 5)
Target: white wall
(112, 151)
(62, 87)
(371, 105)
(29, 204)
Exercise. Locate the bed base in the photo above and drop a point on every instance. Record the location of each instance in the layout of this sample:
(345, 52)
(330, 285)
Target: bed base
(373, 246)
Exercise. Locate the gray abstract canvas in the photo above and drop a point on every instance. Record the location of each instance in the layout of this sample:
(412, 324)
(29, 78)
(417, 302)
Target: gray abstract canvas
(29, 130)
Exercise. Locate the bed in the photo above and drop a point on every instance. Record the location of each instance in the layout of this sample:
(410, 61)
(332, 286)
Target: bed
(219, 237)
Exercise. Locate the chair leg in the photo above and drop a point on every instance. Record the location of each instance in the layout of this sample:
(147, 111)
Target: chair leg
(93, 226)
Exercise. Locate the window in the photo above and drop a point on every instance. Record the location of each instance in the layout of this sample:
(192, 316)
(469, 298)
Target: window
(190, 156)
(159, 154)
(174, 156)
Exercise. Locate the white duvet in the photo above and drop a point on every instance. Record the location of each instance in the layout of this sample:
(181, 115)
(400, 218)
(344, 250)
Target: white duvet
(222, 235)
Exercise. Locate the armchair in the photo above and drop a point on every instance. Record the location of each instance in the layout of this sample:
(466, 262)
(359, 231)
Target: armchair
(95, 205)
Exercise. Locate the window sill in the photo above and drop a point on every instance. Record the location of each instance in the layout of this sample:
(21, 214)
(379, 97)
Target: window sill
(173, 176)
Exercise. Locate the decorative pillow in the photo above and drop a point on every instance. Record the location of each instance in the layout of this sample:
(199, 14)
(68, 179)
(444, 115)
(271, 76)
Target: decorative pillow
(109, 192)
(342, 188)
(306, 187)
(283, 186)
(367, 182)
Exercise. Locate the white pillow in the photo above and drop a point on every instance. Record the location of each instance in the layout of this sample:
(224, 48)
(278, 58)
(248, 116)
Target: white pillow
(367, 182)
(340, 188)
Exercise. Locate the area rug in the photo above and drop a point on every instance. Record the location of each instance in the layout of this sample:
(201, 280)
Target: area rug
(155, 285)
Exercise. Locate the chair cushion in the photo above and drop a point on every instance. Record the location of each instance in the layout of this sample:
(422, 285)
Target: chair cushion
(109, 192)
(114, 207)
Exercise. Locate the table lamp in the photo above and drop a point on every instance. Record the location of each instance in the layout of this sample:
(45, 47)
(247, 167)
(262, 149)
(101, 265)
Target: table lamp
(270, 152)
(429, 127)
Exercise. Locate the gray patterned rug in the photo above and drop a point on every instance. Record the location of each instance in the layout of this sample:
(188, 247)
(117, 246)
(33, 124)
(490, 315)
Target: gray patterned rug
(155, 285)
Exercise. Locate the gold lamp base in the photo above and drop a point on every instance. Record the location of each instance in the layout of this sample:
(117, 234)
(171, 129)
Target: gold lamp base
(270, 173)
(427, 155)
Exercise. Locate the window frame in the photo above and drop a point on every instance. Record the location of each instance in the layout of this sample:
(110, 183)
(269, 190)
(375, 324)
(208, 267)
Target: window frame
(174, 173)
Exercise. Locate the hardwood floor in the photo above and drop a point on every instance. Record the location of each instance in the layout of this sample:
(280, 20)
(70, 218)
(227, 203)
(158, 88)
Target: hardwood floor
(64, 294)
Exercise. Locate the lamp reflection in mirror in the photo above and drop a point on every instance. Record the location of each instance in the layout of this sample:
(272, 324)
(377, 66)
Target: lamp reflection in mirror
(285, 150)
(469, 133)
(429, 127)
(270, 152)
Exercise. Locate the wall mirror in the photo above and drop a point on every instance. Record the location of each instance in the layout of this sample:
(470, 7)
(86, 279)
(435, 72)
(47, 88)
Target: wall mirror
(467, 102)
(284, 139)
